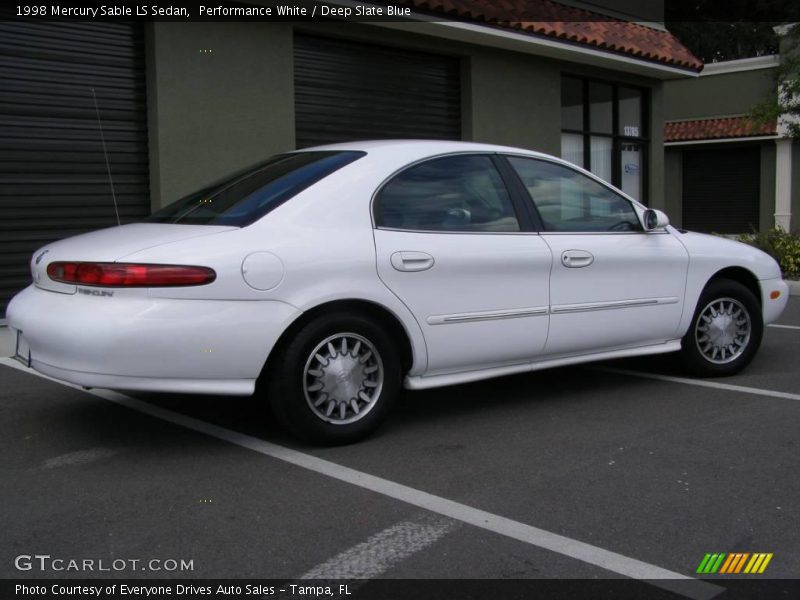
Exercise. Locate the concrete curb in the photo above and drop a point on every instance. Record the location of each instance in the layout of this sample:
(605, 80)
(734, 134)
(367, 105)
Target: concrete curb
(794, 287)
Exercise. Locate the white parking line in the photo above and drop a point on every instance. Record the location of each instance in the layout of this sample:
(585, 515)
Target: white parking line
(784, 326)
(81, 457)
(541, 538)
(383, 550)
(701, 383)
(379, 553)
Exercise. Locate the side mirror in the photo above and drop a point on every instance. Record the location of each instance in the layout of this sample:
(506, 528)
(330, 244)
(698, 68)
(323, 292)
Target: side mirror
(654, 219)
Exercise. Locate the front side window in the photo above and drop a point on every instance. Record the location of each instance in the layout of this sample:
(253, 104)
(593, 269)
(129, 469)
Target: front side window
(453, 193)
(603, 131)
(569, 201)
(245, 197)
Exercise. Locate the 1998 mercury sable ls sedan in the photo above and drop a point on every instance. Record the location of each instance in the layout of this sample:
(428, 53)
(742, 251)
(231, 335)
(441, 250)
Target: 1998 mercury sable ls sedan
(334, 275)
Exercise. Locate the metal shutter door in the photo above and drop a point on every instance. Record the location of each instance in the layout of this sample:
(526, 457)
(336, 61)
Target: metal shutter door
(53, 179)
(348, 91)
(721, 189)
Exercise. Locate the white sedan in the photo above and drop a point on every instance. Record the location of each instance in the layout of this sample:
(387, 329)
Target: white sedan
(328, 278)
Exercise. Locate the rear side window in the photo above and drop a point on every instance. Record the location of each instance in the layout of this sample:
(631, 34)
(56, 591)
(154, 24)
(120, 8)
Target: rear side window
(570, 201)
(453, 193)
(247, 196)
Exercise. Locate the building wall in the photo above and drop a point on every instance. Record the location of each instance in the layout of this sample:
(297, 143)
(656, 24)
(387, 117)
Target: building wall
(657, 156)
(212, 113)
(717, 95)
(514, 100)
(673, 185)
(767, 199)
(795, 223)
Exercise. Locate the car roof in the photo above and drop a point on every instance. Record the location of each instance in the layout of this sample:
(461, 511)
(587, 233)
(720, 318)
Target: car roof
(423, 147)
(411, 150)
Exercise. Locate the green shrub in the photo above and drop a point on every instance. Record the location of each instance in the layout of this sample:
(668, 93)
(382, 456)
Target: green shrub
(784, 247)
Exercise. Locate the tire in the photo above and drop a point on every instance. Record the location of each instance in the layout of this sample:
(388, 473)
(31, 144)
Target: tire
(705, 349)
(335, 380)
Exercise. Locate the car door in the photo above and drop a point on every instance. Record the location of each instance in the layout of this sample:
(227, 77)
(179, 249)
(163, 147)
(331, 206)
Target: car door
(613, 285)
(454, 247)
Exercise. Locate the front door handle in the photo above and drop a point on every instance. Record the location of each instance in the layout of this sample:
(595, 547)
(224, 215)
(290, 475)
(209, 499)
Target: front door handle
(575, 259)
(412, 261)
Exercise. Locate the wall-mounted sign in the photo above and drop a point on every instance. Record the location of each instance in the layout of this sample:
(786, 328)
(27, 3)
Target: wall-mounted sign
(631, 168)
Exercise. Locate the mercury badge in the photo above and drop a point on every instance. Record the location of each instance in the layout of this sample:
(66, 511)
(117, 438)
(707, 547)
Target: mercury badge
(36, 261)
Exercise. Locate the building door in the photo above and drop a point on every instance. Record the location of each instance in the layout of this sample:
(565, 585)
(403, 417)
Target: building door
(347, 91)
(721, 188)
(53, 177)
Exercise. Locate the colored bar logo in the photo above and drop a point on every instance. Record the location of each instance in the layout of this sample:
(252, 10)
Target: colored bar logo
(733, 563)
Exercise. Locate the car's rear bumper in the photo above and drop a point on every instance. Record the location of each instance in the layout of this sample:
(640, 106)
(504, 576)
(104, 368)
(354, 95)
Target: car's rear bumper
(773, 307)
(151, 344)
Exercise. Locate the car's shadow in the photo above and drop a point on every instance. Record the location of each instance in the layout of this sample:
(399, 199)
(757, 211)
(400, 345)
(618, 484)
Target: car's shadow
(251, 415)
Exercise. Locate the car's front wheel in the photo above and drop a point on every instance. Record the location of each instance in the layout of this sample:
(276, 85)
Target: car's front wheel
(725, 332)
(336, 379)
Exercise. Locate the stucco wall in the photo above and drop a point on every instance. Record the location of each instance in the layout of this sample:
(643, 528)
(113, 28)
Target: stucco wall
(767, 198)
(717, 95)
(657, 174)
(514, 100)
(795, 224)
(673, 185)
(211, 113)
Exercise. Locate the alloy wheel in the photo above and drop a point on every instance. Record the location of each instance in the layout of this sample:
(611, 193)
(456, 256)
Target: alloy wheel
(343, 378)
(723, 330)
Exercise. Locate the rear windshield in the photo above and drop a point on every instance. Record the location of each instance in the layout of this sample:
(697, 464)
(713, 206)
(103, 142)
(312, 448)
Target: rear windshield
(247, 196)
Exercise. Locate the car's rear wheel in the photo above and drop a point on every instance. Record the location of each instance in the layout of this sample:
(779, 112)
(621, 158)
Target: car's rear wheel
(725, 332)
(335, 380)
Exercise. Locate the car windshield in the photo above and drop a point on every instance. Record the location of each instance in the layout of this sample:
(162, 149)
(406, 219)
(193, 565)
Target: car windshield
(245, 197)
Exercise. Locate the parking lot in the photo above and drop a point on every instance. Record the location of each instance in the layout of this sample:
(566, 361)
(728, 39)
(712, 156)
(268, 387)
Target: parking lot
(625, 469)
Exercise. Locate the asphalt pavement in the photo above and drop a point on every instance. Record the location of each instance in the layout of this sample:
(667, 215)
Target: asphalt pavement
(596, 471)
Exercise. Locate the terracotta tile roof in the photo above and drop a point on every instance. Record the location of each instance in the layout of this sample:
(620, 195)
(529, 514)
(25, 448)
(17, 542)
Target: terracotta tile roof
(710, 129)
(545, 18)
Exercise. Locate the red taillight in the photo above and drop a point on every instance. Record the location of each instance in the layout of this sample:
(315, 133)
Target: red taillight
(128, 274)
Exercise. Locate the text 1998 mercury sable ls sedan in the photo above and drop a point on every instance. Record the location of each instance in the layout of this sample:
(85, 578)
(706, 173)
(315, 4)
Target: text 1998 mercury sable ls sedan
(334, 275)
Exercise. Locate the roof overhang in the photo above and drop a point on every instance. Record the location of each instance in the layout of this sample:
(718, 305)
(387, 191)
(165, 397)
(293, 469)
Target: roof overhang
(506, 39)
(752, 138)
(770, 61)
(496, 37)
(717, 130)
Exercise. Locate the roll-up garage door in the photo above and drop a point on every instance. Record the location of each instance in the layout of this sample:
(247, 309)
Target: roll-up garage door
(53, 178)
(348, 91)
(721, 188)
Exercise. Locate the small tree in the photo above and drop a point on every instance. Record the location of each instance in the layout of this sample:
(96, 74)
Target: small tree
(784, 106)
(714, 41)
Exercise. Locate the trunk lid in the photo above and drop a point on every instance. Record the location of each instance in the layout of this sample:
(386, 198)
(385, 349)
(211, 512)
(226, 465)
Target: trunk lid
(111, 245)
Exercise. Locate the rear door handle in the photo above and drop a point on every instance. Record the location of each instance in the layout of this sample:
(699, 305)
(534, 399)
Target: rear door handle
(575, 259)
(412, 261)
